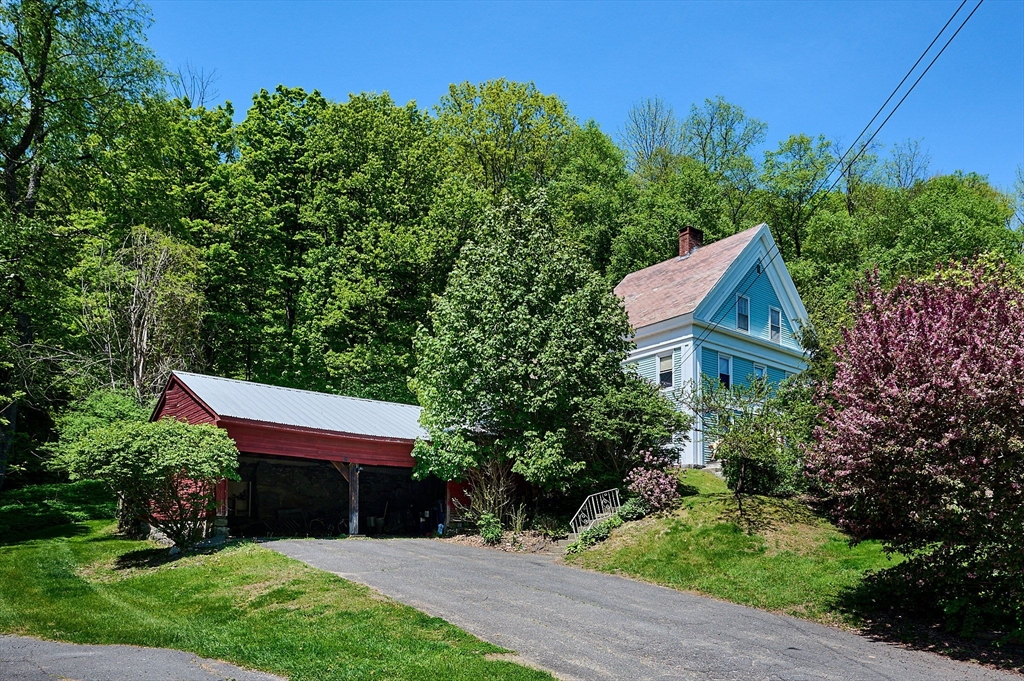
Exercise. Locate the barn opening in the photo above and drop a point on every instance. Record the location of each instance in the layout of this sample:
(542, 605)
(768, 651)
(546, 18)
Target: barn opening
(312, 464)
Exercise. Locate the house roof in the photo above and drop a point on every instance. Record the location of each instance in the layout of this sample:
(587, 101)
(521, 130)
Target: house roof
(303, 408)
(677, 286)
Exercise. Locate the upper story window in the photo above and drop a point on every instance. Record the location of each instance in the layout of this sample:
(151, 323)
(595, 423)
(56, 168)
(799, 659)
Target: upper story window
(665, 371)
(775, 324)
(725, 370)
(760, 371)
(743, 313)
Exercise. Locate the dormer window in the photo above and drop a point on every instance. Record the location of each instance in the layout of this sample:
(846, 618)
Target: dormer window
(665, 371)
(743, 313)
(775, 324)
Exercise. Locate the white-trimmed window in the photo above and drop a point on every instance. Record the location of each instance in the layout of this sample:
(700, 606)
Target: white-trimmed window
(775, 324)
(725, 370)
(743, 313)
(665, 371)
(760, 372)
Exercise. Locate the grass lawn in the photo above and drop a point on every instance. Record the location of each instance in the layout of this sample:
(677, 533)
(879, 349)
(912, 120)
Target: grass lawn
(779, 557)
(244, 604)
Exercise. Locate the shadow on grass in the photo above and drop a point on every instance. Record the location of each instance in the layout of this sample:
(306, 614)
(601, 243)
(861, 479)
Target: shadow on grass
(764, 514)
(145, 558)
(686, 490)
(66, 531)
(889, 610)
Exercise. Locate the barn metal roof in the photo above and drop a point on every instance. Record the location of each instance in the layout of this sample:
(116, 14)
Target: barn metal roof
(304, 408)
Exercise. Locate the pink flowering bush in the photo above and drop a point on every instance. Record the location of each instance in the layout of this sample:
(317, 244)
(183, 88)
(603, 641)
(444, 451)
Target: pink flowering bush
(655, 481)
(922, 439)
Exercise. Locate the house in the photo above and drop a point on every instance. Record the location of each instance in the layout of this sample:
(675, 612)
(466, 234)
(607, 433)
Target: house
(312, 463)
(727, 311)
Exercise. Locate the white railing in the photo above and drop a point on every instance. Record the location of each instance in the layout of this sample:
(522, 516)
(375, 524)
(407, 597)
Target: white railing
(595, 508)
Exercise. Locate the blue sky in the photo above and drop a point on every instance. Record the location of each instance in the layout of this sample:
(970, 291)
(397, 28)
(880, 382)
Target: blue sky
(811, 67)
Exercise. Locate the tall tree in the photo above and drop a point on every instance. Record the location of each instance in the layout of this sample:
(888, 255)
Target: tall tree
(722, 137)
(689, 196)
(142, 308)
(506, 136)
(523, 340)
(791, 175)
(367, 280)
(591, 194)
(257, 257)
(651, 137)
(65, 65)
(907, 164)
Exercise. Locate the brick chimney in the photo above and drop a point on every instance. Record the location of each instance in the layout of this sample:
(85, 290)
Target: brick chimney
(689, 240)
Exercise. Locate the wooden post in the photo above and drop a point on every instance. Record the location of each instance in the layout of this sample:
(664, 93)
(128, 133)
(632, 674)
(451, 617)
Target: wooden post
(353, 499)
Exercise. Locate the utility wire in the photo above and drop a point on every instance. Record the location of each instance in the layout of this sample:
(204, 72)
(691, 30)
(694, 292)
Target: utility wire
(816, 195)
(891, 95)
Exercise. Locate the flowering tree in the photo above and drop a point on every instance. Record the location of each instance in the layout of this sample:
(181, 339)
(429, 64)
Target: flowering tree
(922, 441)
(656, 481)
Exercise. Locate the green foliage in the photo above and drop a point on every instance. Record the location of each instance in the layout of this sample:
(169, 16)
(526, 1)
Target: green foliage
(489, 527)
(504, 135)
(790, 176)
(65, 67)
(594, 535)
(524, 338)
(37, 507)
(162, 472)
(99, 409)
(245, 604)
(688, 196)
(757, 432)
(142, 305)
(634, 508)
(591, 194)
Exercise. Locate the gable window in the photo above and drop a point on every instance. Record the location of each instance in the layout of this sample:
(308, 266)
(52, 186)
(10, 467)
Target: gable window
(665, 371)
(743, 313)
(725, 370)
(775, 324)
(760, 372)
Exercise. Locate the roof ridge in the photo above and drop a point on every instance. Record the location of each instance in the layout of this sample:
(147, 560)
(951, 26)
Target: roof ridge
(296, 390)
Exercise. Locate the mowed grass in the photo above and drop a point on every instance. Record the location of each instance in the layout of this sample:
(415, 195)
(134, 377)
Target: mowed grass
(778, 556)
(244, 604)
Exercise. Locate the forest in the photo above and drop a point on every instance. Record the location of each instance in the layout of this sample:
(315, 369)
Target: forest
(303, 242)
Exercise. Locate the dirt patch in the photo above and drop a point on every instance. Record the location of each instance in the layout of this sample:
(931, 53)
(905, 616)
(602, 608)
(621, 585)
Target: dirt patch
(513, 542)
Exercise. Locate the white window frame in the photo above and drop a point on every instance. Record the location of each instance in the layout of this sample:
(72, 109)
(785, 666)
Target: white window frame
(671, 371)
(763, 371)
(738, 327)
(718, 369)
(770, 310)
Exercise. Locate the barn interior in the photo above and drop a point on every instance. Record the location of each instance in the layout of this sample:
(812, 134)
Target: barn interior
(292, 496)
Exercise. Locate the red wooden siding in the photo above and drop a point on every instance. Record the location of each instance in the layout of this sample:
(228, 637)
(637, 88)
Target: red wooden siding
(256, 437)
(259, 438)
(179, 403)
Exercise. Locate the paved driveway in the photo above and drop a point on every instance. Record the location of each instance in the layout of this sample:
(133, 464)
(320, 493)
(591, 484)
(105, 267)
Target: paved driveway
(30, 659)
(584, 625)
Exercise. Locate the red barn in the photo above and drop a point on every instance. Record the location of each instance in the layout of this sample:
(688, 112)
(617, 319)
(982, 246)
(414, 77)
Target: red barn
(312, 463)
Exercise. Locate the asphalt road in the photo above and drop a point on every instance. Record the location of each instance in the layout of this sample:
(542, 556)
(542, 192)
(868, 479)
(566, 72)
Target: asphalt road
(584, 625)
(30, 659)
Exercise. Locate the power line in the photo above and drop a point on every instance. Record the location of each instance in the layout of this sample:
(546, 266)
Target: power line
(815, 196)
(891, 95)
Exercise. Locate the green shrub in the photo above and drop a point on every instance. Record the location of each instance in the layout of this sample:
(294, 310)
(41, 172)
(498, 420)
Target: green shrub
(634, 509)
(490, 528)
(595, 535)
(163, 472)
